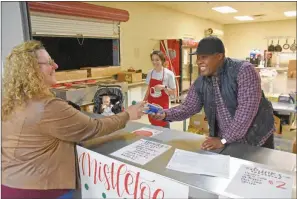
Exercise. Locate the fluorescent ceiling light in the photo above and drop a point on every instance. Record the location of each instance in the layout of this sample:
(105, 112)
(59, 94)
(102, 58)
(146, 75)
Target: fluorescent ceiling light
(244, 18)
(224, 9)
(290, 13)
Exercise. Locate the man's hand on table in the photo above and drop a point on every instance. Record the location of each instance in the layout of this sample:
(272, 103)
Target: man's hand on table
(212, 143)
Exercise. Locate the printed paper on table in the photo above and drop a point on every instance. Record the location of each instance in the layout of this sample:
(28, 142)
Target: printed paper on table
(142, 151)
(196, 163)
(256, 182)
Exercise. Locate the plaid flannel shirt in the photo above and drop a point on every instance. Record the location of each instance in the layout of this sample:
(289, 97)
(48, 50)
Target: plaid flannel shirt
(248, 98)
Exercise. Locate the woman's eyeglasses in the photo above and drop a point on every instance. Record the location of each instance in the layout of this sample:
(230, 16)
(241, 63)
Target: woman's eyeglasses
(50, 62)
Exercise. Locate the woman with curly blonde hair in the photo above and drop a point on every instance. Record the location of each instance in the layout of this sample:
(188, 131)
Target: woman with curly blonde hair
(39, 131)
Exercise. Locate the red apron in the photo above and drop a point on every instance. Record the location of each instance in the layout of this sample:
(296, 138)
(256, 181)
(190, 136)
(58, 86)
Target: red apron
(163, 100)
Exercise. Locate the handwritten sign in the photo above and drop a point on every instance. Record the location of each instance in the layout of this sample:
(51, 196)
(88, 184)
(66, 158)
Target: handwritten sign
(104, 177)
(147, 132)
(256, 182)
(141, 152)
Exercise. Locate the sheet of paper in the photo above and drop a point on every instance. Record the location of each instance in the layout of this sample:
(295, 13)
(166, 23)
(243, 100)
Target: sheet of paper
(256, 182)
(141, 152)
(105, 177)
(148, 132)
(190, 162)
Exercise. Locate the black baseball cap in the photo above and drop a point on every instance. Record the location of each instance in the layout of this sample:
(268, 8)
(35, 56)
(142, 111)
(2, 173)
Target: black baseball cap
(209, 46)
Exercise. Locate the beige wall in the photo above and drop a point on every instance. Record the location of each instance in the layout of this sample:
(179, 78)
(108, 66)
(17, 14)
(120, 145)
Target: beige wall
(241, 38)
(147, 24)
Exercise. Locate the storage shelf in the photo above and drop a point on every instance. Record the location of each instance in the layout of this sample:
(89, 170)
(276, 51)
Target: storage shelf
(280, 37)
(285, 52)
(84, 79)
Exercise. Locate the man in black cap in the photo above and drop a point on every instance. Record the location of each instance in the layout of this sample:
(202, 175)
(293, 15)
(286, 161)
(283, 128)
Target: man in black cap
(230, 92)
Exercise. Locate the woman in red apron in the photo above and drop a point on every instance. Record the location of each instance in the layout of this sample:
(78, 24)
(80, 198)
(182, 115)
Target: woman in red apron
(161, 84)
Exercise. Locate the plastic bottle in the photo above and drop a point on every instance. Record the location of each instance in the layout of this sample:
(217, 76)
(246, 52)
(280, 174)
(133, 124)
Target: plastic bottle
(252, 54)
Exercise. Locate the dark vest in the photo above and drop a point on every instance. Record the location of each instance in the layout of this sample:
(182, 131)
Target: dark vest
(263, 122)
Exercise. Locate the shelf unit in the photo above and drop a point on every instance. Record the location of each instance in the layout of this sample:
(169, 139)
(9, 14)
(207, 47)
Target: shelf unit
(277, 38)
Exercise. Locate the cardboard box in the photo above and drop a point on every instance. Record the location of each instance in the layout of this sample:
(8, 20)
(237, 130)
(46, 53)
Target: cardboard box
(287, 133)
(283, 144)
(61, 75)
(286, 128)
(102, 71)
(272, 97)
(292, 74)
(71, 75)
(199, 131)
(78, 94)
(129, 77)
(199, 124)
(277, 124)
(292, 69)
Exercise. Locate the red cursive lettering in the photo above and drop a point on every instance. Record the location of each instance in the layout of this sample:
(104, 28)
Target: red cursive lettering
(143, 189)
(126, 183)
(100, 173)
(281, 185)
(105, 168)
(82, 156)
(95, 173)
(120, 179)
(136, 185)
(113, 181)
(157, 192)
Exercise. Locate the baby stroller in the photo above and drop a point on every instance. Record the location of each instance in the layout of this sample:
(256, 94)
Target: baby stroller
(116, 98)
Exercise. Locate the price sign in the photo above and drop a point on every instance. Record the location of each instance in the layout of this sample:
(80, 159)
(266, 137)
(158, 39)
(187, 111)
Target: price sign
(256, 182)
(142, 151)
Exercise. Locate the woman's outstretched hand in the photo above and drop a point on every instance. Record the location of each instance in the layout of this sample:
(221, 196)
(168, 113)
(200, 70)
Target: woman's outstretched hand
(136, 111)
